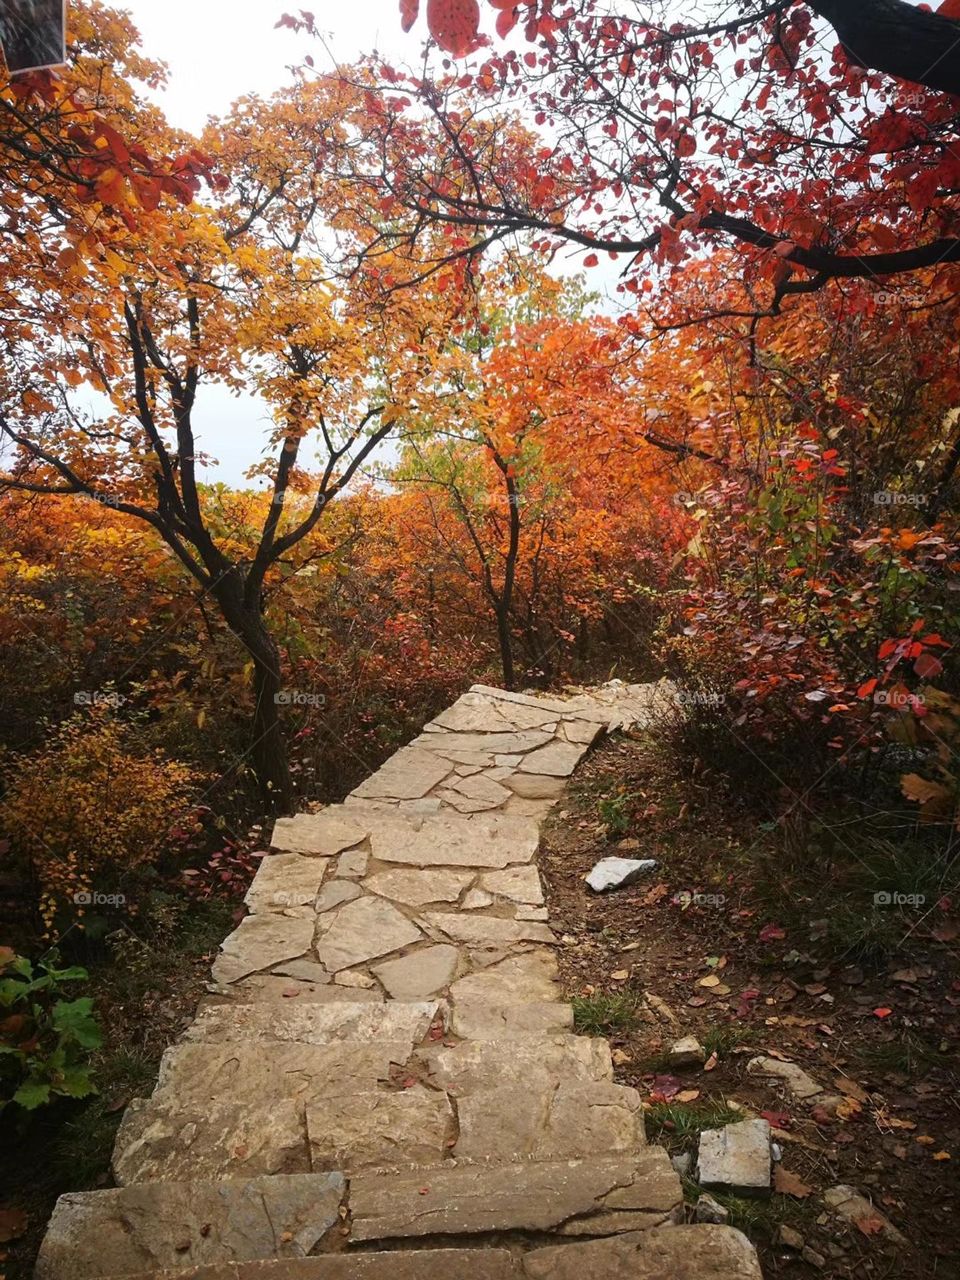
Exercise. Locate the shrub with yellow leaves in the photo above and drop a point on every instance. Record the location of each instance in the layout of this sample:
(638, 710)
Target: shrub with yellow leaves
(87, 808)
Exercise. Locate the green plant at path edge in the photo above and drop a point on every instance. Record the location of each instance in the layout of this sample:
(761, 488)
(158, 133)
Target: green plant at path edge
(45, 1041)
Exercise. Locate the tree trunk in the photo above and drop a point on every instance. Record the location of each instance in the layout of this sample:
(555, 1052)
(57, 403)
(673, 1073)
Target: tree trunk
(268, 748)
(506, 647)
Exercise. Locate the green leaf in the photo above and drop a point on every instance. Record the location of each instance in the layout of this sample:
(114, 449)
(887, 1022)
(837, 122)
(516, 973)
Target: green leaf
(32, 1094)
(75, 1082)
(75, 1018)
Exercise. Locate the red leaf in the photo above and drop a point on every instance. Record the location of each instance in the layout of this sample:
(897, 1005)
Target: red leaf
(409, 9)
(927, 666)
(591, 260)
(772, 933)
(866, 688)
(454, 24)
(882, 1013)
(506, 21)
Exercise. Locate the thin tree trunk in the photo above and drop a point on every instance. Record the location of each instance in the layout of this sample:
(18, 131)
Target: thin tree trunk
(268, 748)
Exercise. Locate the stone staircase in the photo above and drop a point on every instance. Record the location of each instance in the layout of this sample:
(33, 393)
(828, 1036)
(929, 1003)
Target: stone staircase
(383, 1083)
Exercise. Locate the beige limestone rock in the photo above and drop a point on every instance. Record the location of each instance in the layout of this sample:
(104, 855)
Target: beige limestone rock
(419, 974)
(407, 775)
(486, 841)
(363, 930)
(417, 888)
(409, 1126)
(285, 880)
(260, 942)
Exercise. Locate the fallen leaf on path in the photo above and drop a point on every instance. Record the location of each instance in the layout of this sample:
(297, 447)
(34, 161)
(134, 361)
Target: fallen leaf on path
(772, 933)
(691, 1095)
(848, 1109)
(851, 1088)
(941, 1155)
(620, 975)
(789, 1184)
(882, 1012)
(711, 980)
(869, 1226)
(777, 1119)
(710, 1063)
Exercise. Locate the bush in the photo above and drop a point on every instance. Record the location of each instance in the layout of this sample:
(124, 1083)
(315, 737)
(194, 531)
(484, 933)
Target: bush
(88, 807)
(45, 1041)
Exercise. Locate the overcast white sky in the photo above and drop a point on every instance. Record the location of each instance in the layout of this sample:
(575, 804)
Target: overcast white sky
(219, 49)
(216, 51)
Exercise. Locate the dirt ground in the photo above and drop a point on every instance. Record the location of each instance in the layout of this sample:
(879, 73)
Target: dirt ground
(650, 963)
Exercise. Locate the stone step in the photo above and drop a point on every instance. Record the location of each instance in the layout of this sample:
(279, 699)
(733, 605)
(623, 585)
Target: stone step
(315, 1024)
(536, 1062)
(239, 1108)
(593, 1197)
(574, 1120)
(144, 1229)
(662, 1253)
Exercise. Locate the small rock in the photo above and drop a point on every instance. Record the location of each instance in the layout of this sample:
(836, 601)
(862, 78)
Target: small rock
(795, 1078)
(789, 1238)
(682, 1163)
(815, 1259)
(709, 1210)
(776, 1151)
(736, 1158)
(354, 980)
(853, 1207)
(688, 1052)
(617, 873)
(476, 900)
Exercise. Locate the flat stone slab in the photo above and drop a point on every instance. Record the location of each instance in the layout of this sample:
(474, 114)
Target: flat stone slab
(336, 893)
(617, 873)
(328, 832)
(794, 1078)
(536, 1062)
(736, 1158)
(422, 973)
(277, 988)
(315, 1024)
(475, 712)
(485, 841)
(516, 884)
(848, 1203)
(663, 1253)
(417, 888)
(478, 1020)
(249, 1071)
(383, 1128)
(285, 880)
(535, 786)
(260, 942)
(557, 759)
(528, 977)
(407, 775)
(406, 1264)
(165, 1141)
(99, 1234)
(583, 1118)
(363, 930)
(487, 931)
(489, 743)
(527, 1196)
(482, 788)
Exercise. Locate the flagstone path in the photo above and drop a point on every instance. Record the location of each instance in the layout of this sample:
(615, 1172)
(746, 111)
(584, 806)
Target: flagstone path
(383, 1083)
